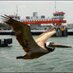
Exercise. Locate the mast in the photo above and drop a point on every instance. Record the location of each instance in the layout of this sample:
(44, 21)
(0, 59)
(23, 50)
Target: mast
(55, 5)
(16, 10)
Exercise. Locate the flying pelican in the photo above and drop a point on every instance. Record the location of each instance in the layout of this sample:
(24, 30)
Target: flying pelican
(33, 48)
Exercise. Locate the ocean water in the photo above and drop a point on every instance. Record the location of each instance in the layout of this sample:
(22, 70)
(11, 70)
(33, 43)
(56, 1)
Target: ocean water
(61, 60)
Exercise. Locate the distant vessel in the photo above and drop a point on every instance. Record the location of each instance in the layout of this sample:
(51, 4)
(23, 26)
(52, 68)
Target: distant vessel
(5, 29)
(6, 32)
(5, 42)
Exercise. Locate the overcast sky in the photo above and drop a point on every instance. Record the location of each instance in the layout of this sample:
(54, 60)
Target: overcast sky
(25, 8)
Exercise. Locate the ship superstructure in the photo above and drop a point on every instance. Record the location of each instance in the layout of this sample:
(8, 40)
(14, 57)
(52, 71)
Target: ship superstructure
(38, 23)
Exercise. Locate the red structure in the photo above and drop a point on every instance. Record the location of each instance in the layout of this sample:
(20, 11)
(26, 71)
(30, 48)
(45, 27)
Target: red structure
(59, 13)
(51, 21)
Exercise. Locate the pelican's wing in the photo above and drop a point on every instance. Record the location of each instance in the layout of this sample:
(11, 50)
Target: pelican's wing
(47, 31)
(46, 35)
(24, 36)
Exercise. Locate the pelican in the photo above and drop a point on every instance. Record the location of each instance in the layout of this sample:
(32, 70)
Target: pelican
(33, 48)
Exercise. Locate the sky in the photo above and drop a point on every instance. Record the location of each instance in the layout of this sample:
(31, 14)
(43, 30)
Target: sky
(47, 8)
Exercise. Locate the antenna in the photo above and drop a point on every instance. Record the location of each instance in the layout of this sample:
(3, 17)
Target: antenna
(16, 10)
(55, 5)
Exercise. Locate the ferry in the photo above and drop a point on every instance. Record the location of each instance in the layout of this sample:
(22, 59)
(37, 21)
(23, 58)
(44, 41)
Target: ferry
(39, 24)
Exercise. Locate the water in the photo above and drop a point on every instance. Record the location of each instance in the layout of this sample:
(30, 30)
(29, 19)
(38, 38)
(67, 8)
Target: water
(61, 60)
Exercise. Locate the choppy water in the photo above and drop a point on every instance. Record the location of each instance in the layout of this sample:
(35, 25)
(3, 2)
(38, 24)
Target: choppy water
(61, 60)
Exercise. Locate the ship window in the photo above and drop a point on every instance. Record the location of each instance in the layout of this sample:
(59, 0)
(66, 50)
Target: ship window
(42, 16)
(27, 17)
(55, 14)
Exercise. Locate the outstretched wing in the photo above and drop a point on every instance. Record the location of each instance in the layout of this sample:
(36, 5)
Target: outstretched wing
(24, 36)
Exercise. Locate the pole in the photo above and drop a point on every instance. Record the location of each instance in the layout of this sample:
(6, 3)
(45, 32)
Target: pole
(55, 5)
